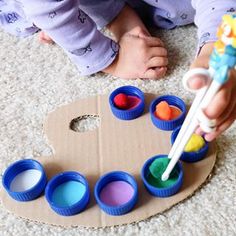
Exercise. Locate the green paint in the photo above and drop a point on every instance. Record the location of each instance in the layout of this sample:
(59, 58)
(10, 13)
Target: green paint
(156, 169)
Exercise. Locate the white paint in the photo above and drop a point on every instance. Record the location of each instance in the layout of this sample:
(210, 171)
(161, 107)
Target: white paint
(25, 180)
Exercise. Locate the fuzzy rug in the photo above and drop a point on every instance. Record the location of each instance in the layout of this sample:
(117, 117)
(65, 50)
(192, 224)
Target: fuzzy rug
(36, 79)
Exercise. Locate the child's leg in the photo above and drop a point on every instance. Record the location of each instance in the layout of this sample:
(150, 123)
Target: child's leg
(97, 11)
(89, 49)
(13, 19)
(74, 31)
(166, 14)
(102, 12)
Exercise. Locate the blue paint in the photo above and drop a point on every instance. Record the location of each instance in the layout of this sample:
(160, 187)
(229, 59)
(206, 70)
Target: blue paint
(68, 193)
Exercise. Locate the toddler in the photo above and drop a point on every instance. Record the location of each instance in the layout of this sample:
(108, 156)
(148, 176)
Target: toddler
(74, 25)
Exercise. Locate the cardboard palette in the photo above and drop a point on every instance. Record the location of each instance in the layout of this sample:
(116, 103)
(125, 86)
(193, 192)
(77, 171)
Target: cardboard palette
(114, 145)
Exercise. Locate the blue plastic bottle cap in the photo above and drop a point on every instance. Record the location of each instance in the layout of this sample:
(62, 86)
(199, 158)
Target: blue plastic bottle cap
(168, 124)
(24, 180)
(161, 191)
(128, 114)
(116, 193)
(190, 156)
(68, 193)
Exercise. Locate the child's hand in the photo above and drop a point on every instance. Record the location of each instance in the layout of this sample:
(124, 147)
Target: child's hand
(223, 106)
(140, 56)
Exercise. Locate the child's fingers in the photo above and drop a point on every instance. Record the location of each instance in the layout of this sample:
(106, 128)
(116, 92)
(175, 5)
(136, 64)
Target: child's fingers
(140, 32)
(220, 102)
(153, 42)
(199, 131)
(224, 126)
(155, 73)
(143, 34)
(197, 82)
(157, 51)
(157, 62)
(227, 113)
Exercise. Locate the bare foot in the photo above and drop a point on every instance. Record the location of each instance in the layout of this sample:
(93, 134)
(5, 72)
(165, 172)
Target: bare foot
(44, 38)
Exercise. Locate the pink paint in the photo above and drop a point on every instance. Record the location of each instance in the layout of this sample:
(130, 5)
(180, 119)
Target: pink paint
(116, 193)
(133, 102)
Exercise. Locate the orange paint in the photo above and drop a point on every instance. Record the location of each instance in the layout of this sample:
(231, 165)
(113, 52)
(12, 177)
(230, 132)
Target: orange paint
(166, 112)
(163, 111)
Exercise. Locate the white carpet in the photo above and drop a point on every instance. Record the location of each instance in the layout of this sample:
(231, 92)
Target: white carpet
(36, 79)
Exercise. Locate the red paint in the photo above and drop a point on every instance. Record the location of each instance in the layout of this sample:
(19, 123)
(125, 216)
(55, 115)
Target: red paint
(121, 101)
(126, 102)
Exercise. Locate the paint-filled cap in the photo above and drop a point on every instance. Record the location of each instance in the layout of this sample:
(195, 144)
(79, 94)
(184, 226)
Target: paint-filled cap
(151, 174)
(68, 193)
(175, 109)
(191, 156)
(127, 102)
(116, 192)
(24, 180)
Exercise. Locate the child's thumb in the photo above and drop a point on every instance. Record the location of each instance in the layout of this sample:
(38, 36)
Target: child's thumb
(196, 82)
(195, 79)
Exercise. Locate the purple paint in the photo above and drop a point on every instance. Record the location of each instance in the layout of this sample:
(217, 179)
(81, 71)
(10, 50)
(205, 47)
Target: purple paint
(116, 193)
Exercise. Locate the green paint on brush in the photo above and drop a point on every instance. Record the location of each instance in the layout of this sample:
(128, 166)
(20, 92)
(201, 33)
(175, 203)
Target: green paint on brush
(156, 169)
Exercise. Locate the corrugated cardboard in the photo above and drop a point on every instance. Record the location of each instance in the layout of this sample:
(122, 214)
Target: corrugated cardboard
(115, 145)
